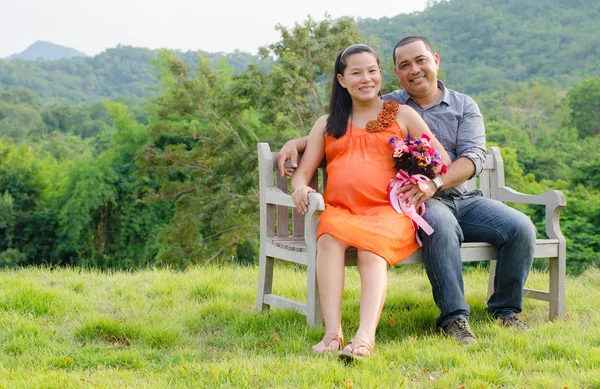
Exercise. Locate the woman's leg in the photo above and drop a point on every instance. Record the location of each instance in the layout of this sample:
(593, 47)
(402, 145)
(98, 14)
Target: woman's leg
(373, 284)
(330, 278)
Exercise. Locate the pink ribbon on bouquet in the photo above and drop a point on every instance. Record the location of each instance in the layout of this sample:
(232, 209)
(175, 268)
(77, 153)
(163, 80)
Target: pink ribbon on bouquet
(402, 179)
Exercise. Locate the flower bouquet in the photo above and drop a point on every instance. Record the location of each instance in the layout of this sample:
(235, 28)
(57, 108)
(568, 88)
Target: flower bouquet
(417, 162)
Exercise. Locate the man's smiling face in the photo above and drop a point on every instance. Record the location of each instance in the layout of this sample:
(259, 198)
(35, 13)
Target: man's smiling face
(416, 68)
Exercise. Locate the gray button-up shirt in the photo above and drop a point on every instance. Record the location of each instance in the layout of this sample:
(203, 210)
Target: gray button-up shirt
(456, 122)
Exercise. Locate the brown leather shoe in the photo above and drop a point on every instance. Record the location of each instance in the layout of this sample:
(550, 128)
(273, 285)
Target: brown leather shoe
(514, 322)
(460, 330)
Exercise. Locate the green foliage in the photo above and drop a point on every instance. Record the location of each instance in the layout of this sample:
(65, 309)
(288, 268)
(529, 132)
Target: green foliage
(19, 114)
(204, 132)
(103, 222)
(292, 96)
(586, 171)
(113, 74)
(20, 96)
(12, 257)
(7, 216)
(493, 44)
(25, 234)
(533, 109)
(580, 227)
(203, 160)
(484, 44)
(584, 101)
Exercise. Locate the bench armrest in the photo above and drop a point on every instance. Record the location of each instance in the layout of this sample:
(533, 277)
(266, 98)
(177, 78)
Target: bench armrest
(554, 200)
(316, 205)
(276, 196)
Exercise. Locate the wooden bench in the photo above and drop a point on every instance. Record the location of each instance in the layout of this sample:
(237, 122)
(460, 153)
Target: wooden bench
(293, 239)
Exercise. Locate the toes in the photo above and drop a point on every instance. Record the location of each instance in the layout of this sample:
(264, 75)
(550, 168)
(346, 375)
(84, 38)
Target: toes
(323, 347)
(359, 347)
(319, 347)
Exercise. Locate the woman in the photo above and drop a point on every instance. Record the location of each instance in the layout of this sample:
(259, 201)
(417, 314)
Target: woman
(357, 212)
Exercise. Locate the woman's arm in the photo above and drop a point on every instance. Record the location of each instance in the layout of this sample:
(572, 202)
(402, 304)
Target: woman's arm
(312, 157)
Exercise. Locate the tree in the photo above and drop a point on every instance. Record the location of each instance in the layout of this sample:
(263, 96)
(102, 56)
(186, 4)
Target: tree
(205, 128)
(24, 227)
(102, 221)
(534, 108)
(584, 100)
(296, 90)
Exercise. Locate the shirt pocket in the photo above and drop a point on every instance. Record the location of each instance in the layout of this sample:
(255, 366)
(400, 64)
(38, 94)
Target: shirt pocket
(448, 132)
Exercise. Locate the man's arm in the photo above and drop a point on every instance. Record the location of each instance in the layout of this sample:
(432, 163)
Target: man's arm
(290, 151)
(470, 151)
(470, 141)
(460, 171)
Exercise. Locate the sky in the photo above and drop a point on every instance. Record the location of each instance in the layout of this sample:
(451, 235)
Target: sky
(92, 26)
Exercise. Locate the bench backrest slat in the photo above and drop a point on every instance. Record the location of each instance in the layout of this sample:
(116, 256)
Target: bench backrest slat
(488, 181)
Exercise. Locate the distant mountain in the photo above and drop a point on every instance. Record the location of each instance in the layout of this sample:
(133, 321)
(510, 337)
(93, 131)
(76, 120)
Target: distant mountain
(47, 51)
(116, 72)
(495, 44)
(485, 45)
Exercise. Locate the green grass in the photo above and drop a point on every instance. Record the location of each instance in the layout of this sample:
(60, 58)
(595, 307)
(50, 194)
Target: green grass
(68, 328)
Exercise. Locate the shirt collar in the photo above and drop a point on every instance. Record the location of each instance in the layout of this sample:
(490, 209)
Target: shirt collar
(445, 97)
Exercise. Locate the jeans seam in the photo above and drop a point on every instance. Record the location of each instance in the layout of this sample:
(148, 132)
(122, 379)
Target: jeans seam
(435, 276)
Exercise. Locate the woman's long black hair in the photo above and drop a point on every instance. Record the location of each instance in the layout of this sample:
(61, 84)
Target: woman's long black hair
(340, 103)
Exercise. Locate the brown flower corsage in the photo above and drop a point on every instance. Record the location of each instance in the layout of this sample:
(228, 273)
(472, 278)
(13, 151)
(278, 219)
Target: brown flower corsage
(385, 118)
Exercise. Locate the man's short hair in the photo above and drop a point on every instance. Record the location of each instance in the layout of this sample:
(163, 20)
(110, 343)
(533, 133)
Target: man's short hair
(410, 39)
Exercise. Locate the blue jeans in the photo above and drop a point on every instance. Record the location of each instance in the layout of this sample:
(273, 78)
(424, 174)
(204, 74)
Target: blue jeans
(472, 218)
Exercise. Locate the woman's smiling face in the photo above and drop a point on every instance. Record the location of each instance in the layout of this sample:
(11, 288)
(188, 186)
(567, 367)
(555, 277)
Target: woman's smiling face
(362, 76)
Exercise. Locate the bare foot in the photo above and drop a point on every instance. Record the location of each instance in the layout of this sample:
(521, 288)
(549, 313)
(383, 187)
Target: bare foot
(329, 344)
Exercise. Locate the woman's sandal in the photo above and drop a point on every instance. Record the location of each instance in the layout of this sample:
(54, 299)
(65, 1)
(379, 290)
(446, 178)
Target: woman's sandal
(327, 339)
(354, 344)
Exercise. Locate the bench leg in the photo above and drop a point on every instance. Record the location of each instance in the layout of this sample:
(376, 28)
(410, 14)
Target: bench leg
(265, 280)
(490, 289)
(314, 316)
(557, 287)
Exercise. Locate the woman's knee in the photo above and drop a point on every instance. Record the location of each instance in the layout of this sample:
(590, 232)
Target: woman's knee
(327, 242)
(370, 259)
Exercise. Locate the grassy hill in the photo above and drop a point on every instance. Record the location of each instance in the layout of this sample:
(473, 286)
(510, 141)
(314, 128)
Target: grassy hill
(63, 328)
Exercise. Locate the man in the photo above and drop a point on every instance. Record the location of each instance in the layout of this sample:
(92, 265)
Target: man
(455, 213)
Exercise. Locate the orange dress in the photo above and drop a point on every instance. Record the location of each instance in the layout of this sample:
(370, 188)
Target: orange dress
(357, 210)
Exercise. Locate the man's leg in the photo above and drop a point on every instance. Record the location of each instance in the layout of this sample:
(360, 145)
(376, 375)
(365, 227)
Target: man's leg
(441, 256)
(513, 233)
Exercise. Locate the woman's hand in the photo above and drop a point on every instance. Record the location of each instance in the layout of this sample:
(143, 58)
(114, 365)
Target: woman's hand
(300, 198)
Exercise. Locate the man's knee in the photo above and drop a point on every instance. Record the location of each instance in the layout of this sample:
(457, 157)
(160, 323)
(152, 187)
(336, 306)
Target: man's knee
(444, 223)
(524, 229)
